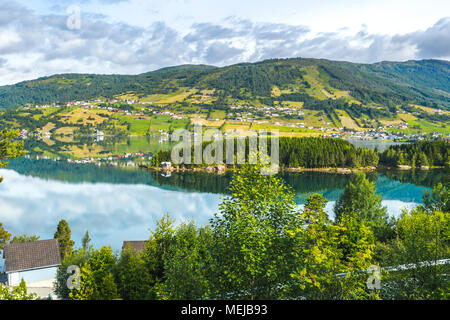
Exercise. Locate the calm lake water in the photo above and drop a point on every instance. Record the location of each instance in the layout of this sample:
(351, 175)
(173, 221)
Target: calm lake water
(123, 204)
(372, 144)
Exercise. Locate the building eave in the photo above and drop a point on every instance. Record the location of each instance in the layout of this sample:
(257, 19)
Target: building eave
(33, 269)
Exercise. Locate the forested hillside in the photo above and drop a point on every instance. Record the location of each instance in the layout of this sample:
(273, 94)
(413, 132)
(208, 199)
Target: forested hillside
(316, 82)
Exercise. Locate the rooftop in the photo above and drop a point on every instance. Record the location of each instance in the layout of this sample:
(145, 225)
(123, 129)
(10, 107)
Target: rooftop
(31, 255)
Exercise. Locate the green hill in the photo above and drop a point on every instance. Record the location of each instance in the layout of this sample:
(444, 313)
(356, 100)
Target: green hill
(411, 96)
(425, 82)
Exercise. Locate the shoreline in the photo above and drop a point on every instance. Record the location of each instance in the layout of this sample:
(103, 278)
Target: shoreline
(222, 169)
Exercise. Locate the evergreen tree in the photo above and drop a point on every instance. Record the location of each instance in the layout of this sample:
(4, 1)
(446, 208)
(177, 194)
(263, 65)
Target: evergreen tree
(86, 242)
(63, 234)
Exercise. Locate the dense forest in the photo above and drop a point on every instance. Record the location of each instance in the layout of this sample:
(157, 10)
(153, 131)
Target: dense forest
(312, 152)
(305, 153)
(418, 154)
(423, 82)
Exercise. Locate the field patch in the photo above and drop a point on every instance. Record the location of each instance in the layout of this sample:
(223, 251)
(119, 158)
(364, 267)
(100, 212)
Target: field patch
(346, 120)
(207, 123)
(293, 104)
(48, 127)
(178, 96)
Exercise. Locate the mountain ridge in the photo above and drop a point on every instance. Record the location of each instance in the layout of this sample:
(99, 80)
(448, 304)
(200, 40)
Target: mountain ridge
(425, 82)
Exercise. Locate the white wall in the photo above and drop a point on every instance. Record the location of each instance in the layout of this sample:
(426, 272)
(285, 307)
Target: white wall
(14, 278)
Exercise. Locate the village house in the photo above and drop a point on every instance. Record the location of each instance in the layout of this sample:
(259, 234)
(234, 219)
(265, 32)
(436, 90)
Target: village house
(35, 262)
(166, 165)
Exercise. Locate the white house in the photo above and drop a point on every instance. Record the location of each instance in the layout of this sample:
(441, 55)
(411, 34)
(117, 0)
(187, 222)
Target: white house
(32, 261)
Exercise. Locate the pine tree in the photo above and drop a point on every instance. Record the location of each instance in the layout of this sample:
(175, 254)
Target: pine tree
(86, 241)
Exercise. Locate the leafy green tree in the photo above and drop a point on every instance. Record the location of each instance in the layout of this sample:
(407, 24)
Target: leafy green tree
(331, 258)
(187, 264)
(133, 280)
(154, 252)
(360, 197)
(96, 279)
(316, 204)
(63, 234)
(437, 200)
(252, 249)
(10, 148)
(17, 293)
(75, 258)
(4, 236)
(25, 238)
(88, 287)
(423, 238)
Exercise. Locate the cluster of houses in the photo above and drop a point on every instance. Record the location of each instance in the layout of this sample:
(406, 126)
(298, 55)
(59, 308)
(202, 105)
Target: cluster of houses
(128, 160)
(381, 134)
(252, 112)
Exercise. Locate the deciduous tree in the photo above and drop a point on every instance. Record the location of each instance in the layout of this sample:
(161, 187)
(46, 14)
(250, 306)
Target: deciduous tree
(360, 198)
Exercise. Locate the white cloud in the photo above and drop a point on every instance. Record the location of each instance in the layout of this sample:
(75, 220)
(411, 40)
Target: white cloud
(112, 213)
(36, 42)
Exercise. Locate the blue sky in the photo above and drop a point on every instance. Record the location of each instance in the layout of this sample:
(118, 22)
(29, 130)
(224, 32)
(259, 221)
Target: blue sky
(134, 36)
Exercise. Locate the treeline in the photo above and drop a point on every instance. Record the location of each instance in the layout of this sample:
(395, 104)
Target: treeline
(324, 153)
(252, 80)
(418, 154)
(67, 87)
(261, 246)
(303, 152)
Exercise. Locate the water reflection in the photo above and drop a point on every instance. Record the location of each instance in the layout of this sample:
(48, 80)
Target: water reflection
(116, 204)
(111, 212)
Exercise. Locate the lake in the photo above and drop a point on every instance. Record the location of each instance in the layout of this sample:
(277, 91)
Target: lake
(117, 204)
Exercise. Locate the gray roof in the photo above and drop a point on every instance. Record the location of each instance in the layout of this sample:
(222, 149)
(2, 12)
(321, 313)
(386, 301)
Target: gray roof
(31, 255)
(137, 246)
